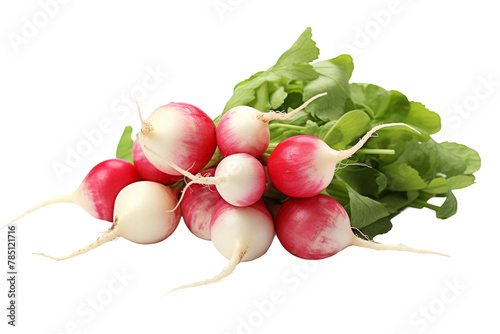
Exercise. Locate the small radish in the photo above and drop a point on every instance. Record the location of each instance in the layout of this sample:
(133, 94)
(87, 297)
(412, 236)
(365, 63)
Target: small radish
(149, 172)
(98, 190)
(198, 206)
(303, 166)
(245, 129)
(181, 134)
(239, 234)
(141, 215)
(318, 227)
(240, 178)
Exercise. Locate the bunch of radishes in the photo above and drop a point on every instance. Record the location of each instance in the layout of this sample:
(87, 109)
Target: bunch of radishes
(224, 203)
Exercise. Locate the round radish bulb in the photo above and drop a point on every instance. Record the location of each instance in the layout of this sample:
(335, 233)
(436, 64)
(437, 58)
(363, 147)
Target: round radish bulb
(318, 227)
(303, 166)
(240, 178)
(182, 134)
(239, 234)
(245, 129)
(198, 206)
(149, 172)
(98, 190)
(141, 215)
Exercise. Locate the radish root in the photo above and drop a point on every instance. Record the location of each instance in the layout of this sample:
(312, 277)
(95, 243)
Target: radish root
(109, 235)
(349, 152)
(236, 258)
(274, 115)
(60, 199)
(374, 245)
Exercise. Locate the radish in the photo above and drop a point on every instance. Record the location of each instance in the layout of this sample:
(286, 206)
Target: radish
(181, 134)
(318, 227)
(141, 216)
(149, 172)
(303, 166)
(245, 129)
(240, 178)
(239, 234)
(98, 190)
(198, 206)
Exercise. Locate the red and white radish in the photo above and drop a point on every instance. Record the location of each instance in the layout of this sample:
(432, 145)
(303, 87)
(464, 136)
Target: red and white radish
(149, 172)
(198, 206)
(245, 129)
(98, 190)
(303, 166)
(240, 178)
(240, 234)
(141, 215)
(318, 227)
(181, 134)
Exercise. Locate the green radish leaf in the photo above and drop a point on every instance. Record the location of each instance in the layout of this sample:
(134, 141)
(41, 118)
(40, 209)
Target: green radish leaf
(334, 75)
(402, 177)
(374, 97)
(124, 149)
(364, 210)
(469, 156)
(381, 226)
(448, 208)
(422, 118)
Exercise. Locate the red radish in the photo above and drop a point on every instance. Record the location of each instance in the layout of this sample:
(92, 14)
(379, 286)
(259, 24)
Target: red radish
(318, 227)
(149, 172)
(245, 129)
(98, 190)
(141, 216)
(239, 234)
(181, 134)
(198, 206)
(240, 178)
(303, 166)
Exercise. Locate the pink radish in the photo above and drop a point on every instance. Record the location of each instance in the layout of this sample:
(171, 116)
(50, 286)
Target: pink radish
(245, 129)
(303, 166)
(318, 227)
(240, 178)
(141, 215)
(149, 172)
(181, 134)
(239, 234)
(198, 206)
(98, 190)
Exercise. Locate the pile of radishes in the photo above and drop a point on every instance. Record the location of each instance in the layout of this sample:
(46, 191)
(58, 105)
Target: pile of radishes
(226, 202)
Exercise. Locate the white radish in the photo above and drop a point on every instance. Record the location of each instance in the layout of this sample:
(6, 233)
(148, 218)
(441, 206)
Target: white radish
(244, 129)
(141, 215)
(240, 234)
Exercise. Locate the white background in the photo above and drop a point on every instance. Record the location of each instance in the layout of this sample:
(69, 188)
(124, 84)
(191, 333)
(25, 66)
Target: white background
(72, 71)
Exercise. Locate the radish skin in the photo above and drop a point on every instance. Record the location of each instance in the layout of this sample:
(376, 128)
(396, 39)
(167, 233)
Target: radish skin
(240, 234)
(141, 216)
(318, 227)
(147, 171)
(198, 206)
(303, 166)
(98, 190)
(245, 129)
(181, 134)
